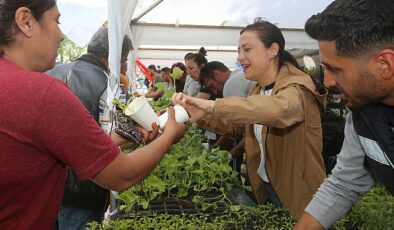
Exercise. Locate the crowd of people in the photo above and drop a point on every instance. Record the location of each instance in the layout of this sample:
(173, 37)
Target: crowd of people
(60, 164)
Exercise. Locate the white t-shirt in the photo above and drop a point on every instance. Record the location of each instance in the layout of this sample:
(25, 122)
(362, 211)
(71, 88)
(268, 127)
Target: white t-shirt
(257, 129)
(192, 87)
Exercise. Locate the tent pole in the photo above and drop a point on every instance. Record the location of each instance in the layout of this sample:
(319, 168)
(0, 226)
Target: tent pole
(146, 11)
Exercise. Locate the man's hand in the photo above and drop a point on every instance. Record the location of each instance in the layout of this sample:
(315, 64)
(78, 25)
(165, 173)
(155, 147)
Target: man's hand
(196, 107)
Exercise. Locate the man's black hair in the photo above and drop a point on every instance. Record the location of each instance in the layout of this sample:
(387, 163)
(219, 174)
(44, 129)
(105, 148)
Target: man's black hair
(208, 70)
(152, 67)
(356, 26)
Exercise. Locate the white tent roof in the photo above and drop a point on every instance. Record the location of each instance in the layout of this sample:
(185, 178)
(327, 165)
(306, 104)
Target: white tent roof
(165, 30)
(284, 13)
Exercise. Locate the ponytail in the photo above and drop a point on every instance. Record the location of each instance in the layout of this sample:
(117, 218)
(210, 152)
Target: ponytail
(285, 56)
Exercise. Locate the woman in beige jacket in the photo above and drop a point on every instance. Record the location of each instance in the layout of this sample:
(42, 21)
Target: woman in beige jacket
(280, 118)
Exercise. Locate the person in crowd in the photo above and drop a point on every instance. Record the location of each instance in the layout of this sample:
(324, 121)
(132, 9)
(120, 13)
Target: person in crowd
(123, 78)
(156, 76)
(45, 128)
(283, 136)
(165, 74)
(167, 79)
(192, 87)
(356, 42)
(84, 201)
(179, 80)
(221, 81)
(194, 62)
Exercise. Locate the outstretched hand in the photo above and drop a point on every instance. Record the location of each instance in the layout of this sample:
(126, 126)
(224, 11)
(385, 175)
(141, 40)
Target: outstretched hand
(175, 129)
(196, 107)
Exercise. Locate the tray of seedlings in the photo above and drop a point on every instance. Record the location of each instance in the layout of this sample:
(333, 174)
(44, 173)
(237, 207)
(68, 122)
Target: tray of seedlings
(193, 187)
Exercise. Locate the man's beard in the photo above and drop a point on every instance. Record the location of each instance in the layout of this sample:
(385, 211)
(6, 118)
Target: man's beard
(370, 91)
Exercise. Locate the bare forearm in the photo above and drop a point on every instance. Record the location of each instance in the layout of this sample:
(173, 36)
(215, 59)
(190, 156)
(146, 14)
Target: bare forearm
(203, 95)
(145, 159)
(154, 94)
(126, 170)
(117, 139)
(307, 222)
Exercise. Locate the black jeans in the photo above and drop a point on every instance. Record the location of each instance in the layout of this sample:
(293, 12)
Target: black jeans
(272, 197)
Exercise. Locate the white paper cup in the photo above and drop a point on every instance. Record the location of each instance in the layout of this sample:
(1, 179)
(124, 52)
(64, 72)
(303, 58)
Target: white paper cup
(181, 116)
(142, 113)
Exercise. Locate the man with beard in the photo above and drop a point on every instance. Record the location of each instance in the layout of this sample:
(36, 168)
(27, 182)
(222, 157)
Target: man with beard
(356, 42)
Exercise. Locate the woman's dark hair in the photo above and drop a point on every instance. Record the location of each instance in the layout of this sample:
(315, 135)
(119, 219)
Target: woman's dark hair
(202, 51)
(187, 56)
(166, 70)
(357, 26)
(198, 58)
(270, 34)
(8, 8)
(181, 66)
(152, 67)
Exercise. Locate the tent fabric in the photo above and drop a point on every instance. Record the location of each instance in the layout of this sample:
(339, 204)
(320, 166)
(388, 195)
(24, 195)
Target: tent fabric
(80, 19)
(173, 28)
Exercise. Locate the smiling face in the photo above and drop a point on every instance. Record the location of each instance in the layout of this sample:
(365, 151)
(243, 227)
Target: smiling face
(357, 81)
(255, 58)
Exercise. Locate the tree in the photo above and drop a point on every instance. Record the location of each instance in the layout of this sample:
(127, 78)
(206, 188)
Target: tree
(69, 51)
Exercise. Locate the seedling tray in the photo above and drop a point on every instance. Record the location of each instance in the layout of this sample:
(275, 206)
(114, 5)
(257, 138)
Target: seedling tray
(185, 206)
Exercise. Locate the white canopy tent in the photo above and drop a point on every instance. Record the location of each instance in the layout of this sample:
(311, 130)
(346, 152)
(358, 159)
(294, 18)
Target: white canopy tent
(163, 31)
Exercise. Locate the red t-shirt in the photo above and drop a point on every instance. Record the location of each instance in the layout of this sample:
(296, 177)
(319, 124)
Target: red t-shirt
(43, 128)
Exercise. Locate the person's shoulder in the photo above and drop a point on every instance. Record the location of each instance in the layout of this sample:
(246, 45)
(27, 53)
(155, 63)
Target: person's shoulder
(238, 75)
(60, 71)
(290, 75)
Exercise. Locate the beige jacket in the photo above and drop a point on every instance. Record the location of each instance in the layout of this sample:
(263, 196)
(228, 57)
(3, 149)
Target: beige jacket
(292, 135)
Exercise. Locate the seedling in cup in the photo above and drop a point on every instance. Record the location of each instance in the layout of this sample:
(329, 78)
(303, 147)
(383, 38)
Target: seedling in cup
(141, 112)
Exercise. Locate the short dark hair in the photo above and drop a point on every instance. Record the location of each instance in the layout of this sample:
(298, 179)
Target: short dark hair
(187, 56)
(8, 8)
(166, 70)
(152, 67)
(99, 45)
(357, 26)
(208, 70)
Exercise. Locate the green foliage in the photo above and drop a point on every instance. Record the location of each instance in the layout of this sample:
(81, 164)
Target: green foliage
(262, 217)
(69, 51)
(312, 71)
(167, 92)
(120, 105)
(373, 210)
(188, 169)
(165, 100)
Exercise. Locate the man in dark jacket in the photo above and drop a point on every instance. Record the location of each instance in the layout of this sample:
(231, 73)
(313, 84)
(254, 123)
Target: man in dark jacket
(85, 201)
(356, 42)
